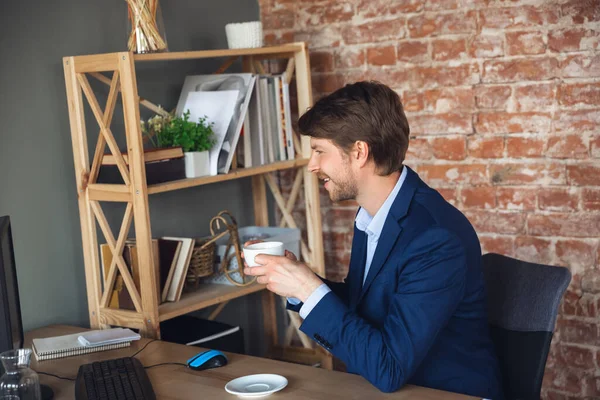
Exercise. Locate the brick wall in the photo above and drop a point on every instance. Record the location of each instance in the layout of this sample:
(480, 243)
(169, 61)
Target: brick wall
(503, 99)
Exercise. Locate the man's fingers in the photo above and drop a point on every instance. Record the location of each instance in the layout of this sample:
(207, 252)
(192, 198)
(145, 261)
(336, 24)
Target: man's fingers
(267, 259)
(249, 242)
(262, 280)
(255, 271)
(291, 255)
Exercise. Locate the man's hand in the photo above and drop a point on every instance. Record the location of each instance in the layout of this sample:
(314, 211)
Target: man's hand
(285, 276)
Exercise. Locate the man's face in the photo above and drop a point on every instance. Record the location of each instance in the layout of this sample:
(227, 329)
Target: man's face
(334, 167)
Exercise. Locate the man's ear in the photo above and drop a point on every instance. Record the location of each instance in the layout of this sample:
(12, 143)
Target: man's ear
(361, 152)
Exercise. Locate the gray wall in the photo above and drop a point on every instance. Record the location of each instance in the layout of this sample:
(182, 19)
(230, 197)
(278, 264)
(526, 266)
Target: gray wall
(37, 181)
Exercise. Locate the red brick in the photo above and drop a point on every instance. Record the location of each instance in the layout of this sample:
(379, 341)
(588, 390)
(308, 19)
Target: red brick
(502, 122)
(440, 123)
(339, 218)
(449, 148)
(532, 249)
(381, 55)
(379, 8)
(535, 97)
(437, 5)
(375, 31)
(496, 222)
(577, 331)
(590, 282)
(532, 173)
(324, 14)
(497, 244)
(524, 147)
(448, 194)
(576, 121)
(348, 57)
(577, 357)
(583, 174)
(321, 61)
(590, 199)
(412, 101)
(522, 69)
(338, 241)
(478, 197)
(565, 380)
(449, 49)
(337, 265)
(419, 149)
(579, 12)
(327, 83)
(438, 175)
(516, 17)
(492, 96)
(445, 100)
(441, 24)
(279, 37)
(579, 94)
(460, 75)
(591, 387)
(413, 51)
(580, 66)
(558, 199)
(573, 39)
(563, 224)
(569, 146)
(576, 303)
(486, 45)
(518, 43)
(283, 18)
(486, 147)
(510, 198)
(595, 146)
(578, 254)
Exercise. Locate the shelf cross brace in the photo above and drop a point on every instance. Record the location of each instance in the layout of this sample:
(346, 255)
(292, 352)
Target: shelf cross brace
(118, 253)
(104, 129)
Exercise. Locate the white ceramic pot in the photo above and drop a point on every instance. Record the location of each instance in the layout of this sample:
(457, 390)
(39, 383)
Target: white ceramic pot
(196, 164)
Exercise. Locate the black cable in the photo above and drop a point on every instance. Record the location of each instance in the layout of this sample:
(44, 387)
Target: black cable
(56, 376)
(165, 363)
(146, 345)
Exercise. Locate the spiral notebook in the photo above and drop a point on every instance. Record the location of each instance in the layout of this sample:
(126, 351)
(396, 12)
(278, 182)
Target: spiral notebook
(69, 345)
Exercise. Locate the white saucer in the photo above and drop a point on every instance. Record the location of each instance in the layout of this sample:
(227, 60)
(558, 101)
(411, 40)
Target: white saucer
(256, 385)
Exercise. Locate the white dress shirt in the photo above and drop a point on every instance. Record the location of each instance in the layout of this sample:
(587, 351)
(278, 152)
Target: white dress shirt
(372, 226)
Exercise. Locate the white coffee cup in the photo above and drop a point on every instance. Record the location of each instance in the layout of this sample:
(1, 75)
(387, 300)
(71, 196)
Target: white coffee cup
(271, 248)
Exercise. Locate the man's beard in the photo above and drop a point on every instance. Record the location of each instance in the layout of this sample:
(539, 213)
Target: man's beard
(343, 190)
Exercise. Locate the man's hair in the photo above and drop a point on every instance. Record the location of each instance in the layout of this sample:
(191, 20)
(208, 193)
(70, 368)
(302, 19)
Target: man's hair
(367, 111)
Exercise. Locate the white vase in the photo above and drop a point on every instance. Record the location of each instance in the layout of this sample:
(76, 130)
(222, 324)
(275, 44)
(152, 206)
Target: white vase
(196, 164)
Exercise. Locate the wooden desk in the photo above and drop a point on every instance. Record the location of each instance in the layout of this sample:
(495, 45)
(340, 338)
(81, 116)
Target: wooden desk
(178, 382)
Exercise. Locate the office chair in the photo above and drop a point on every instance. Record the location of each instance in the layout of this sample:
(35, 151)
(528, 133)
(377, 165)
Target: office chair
(523, 301)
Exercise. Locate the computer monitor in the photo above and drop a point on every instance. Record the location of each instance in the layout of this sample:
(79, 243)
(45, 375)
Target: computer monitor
(11, 327)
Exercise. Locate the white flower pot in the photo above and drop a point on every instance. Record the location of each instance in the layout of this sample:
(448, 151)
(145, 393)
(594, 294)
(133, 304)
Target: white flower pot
(196, 164)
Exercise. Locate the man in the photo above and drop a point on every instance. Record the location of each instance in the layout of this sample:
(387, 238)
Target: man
(412, 308)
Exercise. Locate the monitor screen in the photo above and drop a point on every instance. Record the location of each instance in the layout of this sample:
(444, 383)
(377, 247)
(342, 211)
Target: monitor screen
(11, 330)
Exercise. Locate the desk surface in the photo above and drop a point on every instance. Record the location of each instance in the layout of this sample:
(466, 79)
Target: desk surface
(178, 382)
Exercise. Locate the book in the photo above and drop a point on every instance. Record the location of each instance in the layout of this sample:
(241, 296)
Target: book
(68, 345)
(180, 272)
(150, 155)
(168, 251)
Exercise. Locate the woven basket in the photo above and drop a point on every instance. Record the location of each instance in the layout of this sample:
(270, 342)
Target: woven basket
(202, 261)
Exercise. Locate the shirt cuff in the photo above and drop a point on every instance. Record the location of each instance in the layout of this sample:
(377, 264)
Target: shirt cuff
(313, 300)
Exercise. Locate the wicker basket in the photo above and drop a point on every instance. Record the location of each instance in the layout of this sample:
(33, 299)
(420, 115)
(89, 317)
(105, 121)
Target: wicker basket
(202, 261)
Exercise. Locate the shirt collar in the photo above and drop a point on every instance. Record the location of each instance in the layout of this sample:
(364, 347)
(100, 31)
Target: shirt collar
(373, 226)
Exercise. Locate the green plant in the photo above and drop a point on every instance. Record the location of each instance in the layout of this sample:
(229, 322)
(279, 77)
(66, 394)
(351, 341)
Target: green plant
(169, 131)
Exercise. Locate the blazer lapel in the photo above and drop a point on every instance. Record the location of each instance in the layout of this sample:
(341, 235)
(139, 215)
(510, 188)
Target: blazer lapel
(357, 265)
(391, 229)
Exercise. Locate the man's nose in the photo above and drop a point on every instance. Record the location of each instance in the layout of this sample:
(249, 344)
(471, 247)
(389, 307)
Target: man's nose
(312, 164)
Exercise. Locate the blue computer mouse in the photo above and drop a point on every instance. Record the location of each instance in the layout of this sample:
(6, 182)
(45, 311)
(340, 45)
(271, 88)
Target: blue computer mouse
(207, 359)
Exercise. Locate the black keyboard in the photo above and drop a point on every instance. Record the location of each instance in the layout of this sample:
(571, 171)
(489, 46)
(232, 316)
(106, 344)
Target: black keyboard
(122, 378)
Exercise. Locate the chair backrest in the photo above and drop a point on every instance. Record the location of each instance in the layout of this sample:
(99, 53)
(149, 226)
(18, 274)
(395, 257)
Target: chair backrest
(523, 302)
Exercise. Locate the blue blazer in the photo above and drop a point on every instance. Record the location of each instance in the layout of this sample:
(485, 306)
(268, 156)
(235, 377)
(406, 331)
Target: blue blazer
(420, 316)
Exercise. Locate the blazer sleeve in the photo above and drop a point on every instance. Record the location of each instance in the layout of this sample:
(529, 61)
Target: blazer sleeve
(431, 284)
(340, 289)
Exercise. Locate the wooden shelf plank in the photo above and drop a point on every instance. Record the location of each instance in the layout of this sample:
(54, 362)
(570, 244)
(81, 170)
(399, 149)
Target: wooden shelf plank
(186, 55)
(239, 173)
(207, 295)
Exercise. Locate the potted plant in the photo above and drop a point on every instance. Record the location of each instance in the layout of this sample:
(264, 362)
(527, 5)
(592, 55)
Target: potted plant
(196, 139)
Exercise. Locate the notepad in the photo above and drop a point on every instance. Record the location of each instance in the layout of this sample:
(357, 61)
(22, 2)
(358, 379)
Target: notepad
(69, 345)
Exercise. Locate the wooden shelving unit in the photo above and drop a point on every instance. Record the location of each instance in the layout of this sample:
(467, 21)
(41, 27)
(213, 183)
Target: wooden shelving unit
(135, 192)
